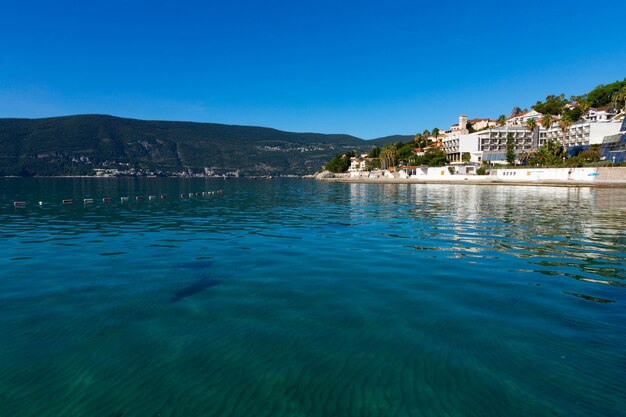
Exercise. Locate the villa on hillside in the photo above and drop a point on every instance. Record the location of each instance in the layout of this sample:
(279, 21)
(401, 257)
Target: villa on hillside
(477, 124)
(480, 124)
(601, 114)
(358, 163)
(523, 117)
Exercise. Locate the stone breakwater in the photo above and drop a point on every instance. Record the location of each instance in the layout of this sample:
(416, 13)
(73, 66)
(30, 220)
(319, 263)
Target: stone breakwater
(576, 177)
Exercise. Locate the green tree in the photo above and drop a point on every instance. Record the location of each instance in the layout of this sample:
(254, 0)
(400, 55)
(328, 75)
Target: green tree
(339, 163)
(434, 157)
(587, 156)
(436, 133)
(602, 95)
(584, 106)
(526, 156)
(388, 156)
(564, 125)
(546, 121)
(549, 154)
(374, 152)
(618, 98)
(501, 120)
(572, 115)
(553, 105)
(406, 153)
(466, 157)
(510, 149)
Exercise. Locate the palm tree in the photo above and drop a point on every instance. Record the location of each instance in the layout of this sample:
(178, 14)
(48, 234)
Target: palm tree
(617, 98)
(584, 107)
(531, 125)
(426, 134)
(436, 132)
(387, 156)
(526, 156)
(564, 125)
(501, 120)
(546, 121)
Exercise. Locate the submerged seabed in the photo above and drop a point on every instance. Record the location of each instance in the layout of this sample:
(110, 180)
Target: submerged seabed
(295, 298)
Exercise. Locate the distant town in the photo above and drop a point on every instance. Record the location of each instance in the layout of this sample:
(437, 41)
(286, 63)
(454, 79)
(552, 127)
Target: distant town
(581, 131)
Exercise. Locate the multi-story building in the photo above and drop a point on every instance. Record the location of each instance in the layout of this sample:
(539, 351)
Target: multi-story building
(455, 145)
(581, 133)
(492, 142)
(599, 127)
(613, 148)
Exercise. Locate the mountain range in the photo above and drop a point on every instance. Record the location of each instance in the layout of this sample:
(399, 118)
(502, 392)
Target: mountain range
(75, 145)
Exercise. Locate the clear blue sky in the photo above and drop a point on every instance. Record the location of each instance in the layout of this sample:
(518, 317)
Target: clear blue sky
(364, 68)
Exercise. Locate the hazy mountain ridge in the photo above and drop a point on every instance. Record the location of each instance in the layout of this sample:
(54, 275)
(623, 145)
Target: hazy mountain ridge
(72, 145)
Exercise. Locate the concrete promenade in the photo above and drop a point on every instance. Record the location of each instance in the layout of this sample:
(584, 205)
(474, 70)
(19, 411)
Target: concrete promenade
(601, 177)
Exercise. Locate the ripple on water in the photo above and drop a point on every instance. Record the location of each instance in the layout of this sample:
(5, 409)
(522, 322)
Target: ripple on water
(283, 298)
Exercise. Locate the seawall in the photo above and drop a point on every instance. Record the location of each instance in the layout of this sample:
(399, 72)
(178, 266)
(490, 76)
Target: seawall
(563, 177)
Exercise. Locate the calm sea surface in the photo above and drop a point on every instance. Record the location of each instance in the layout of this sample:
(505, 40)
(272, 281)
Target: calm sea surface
(300, 298)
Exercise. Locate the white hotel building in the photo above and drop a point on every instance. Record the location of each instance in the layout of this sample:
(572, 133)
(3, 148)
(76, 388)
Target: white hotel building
(490, 144)
(581, 133)
(460, 141)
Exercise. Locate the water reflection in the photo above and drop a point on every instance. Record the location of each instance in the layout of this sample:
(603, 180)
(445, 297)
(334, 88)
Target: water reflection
(574, 232)
(310, 298)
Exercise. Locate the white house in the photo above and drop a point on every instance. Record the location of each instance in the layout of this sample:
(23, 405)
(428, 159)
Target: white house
(482, 123)
(357, 164)
(523, 117)
(601, 114)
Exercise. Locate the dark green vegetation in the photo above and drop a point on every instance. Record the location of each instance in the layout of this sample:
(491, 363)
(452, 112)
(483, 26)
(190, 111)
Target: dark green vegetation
(551, 154)
(74, 145)
(510, 148)
(392, 154)
(613, 94)
(340, 162)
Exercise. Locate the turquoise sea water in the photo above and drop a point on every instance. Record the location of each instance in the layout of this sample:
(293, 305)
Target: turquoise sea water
(300, 298)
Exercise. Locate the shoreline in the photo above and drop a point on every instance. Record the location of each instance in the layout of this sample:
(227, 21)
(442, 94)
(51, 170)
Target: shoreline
(480, 181)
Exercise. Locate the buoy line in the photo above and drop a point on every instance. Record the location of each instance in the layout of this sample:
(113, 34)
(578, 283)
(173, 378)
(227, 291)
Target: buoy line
(123, 199)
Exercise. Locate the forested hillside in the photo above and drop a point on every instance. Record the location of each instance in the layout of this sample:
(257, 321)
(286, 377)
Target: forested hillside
(75, 145)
